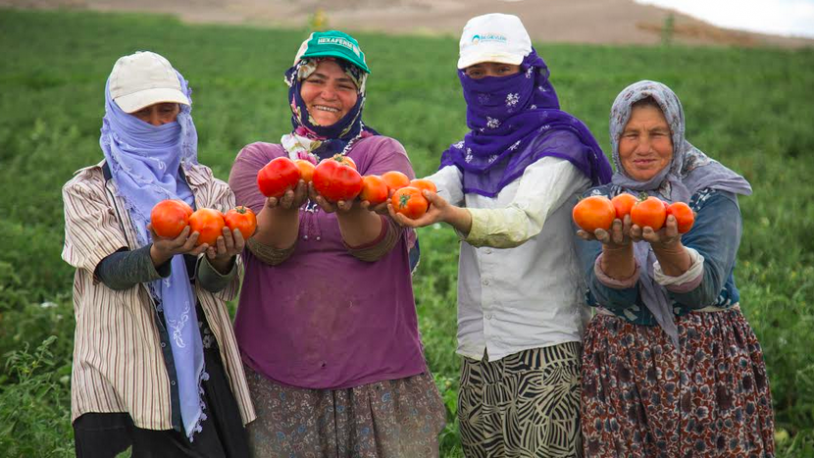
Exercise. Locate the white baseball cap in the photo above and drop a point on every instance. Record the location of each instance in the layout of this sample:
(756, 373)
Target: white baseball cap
(494, 37)
(143, 79)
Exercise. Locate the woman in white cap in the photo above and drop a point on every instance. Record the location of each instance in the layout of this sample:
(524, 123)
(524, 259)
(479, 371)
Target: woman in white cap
(508, 189)
(156, 364)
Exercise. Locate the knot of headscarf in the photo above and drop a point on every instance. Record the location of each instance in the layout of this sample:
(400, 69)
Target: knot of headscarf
(690, 171)
(505, 115)
(145, 163)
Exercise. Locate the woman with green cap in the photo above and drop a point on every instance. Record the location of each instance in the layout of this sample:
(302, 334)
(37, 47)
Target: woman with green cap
(326, 322)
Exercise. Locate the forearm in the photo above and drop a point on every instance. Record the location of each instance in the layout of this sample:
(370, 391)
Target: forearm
(359, 226)
(674, 260)
(278, 227)
(618, 263)
(460, 219)
(125, 269)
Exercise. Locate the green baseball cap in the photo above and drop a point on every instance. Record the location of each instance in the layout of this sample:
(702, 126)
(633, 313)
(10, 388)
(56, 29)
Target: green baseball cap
(333, 43)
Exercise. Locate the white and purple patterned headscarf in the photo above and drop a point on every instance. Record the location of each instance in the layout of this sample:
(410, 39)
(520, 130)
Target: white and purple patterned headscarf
(145, 163)
(690, 171)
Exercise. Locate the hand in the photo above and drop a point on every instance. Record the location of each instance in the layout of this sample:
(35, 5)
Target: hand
(165, 248)
(343, 206)
(292, 199)
(666, 239)
(380, 209)
(226, 247)
(439, 211)
(618, 236)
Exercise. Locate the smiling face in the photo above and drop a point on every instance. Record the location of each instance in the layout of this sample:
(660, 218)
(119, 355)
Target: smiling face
(329, 93)
(645, 147)
(158, 114)
(484, 69)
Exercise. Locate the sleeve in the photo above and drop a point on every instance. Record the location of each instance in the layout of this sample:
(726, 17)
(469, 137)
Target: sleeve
(449, 184)
(716, 236)
(125, 269)
(92, 228)
(212, 280)
(268, 254)
(544, 187)
(377, 249)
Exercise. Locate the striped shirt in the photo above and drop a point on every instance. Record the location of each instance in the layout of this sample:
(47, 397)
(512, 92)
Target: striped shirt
(118, 363)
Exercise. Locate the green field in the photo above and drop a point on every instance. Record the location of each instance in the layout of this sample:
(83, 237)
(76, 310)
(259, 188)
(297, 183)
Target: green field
(752, 109)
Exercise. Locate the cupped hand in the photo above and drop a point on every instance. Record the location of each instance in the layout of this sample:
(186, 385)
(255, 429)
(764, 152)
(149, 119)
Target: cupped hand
(618, 236)
(165, 248)
(438, 212)
(342, 206)
(666, 238)
(293, 198)
(227, 246)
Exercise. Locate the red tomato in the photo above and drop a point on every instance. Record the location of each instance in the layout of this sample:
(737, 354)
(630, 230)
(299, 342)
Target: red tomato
(423, 183)
(409, 202)
(208, 224)
(623, 203)
(306, 169)
(683, 214)
(277, 177)
(335, 180)
(374, 189)
(395, 180)
(243, 219)
(649, 212)
(594, 212)
(170, 217)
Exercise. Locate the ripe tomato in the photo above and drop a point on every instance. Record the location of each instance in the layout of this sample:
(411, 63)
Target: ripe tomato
(335, 180)
(623, 203)
(594, 212)
(277, 177)
(649, 212)
(683, 214)
(208, 224)
(423, 183)
(345, 160)
(306, 170)
(409, 202)
(395, 180)
(243, 219)
(374, 189)
(170, 217)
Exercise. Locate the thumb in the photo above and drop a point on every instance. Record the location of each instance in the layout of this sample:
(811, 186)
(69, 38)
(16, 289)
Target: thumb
(434, 198)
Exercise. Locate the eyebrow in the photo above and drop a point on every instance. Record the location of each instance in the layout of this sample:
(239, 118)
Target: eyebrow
(344, 79)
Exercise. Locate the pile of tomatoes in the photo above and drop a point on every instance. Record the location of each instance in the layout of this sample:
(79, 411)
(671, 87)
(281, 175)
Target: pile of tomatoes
(170, 217)
(337, 179)
(598, 212)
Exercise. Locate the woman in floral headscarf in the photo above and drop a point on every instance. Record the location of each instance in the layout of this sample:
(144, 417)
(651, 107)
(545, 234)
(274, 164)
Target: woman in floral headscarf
(671, 367)
(326, 322)
(511, 184)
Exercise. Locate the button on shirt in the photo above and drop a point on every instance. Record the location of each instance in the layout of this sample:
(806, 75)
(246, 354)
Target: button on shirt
(519, 280)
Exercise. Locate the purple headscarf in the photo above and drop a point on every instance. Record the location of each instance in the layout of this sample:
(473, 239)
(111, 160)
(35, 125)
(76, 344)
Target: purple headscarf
(506, 115)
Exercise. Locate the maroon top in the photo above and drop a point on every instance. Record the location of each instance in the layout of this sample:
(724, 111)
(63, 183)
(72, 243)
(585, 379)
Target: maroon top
(323, 319)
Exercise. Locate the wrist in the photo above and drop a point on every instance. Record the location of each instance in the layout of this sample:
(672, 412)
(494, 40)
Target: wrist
(158, 257)
(669, 250)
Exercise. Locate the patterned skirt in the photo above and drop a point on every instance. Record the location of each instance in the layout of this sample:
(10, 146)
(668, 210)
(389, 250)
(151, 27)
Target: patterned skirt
(643, 399)
(389, 419)
(524, 405)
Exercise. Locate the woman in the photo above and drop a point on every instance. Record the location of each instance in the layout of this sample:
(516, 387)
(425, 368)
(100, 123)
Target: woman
(156, 364)
(326, 322)
(671, 367)
(511, 184)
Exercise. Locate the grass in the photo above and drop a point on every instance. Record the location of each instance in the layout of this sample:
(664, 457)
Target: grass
(749, 108)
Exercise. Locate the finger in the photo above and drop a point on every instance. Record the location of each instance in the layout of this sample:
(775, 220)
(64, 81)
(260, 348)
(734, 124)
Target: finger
(272, 202)
(239, 242)
(300, 193)
(671, 228)
(602, 235)
(228, 240)
(650, 235)
(344, 205)
(365, 204)
(635, 232)
(618, 236)
(434, 198)
(287, 199)
(626, 225)
(220, 246)
(381, 208)
(190, 241)
(210, 253)
(405, 221)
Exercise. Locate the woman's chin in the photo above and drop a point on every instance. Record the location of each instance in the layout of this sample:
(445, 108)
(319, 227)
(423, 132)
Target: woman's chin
(325, 121)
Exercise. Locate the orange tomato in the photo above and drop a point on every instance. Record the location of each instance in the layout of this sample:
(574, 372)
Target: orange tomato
(374, 190)
(395, 180)
(170, 217)
(423, 183)
(649, 212)
(342, 159)
(306, 170)
(594, 212)
(409, 202)
(243, 219)
(623, 203)
(683, 215)
(208, 224)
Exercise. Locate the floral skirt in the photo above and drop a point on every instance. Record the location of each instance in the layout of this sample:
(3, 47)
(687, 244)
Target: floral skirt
(389, 419)
(640, 398)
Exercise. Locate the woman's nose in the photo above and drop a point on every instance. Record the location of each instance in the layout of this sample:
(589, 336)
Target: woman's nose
(155, 118)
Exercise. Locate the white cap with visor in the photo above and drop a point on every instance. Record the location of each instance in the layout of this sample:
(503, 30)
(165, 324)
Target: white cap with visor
(494, 37)
(143, 79)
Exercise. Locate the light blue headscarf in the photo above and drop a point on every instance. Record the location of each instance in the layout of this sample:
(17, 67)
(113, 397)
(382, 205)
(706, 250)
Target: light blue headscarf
(145, 163)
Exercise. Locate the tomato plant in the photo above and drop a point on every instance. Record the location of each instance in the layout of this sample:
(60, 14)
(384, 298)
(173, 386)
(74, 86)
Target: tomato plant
(374, 190)
(623, 203)
(170, 217)
(335, 180)
(277, 177)
(649, 212)
(409, 202)
(423, 183)
(208, 224)
(243, 219)
(395, 180)
(594, 212)
(683, 214)
(306, 170)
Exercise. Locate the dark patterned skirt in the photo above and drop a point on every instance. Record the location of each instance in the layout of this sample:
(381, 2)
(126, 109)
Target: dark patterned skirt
(643, 399)
(524, 405)
(390, 419)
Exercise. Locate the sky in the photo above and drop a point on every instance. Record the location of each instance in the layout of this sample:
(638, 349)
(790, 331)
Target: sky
(776, 17)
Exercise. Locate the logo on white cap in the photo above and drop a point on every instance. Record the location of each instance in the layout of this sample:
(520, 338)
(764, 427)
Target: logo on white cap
(494, 37)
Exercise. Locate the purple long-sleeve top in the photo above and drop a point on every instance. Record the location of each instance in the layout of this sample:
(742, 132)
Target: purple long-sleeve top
(324, 319)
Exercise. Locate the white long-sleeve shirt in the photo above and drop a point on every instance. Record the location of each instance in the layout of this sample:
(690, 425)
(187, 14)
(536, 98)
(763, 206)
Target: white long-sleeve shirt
(519, 280)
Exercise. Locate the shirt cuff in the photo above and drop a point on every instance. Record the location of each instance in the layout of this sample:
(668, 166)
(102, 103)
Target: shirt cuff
(685, 282)
(379, 247)
(613, 282)
(212, 280)
(268, 254)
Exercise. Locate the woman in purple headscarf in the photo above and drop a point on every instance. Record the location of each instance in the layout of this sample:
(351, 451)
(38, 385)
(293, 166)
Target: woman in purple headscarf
(671, 367)
(508, 189)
